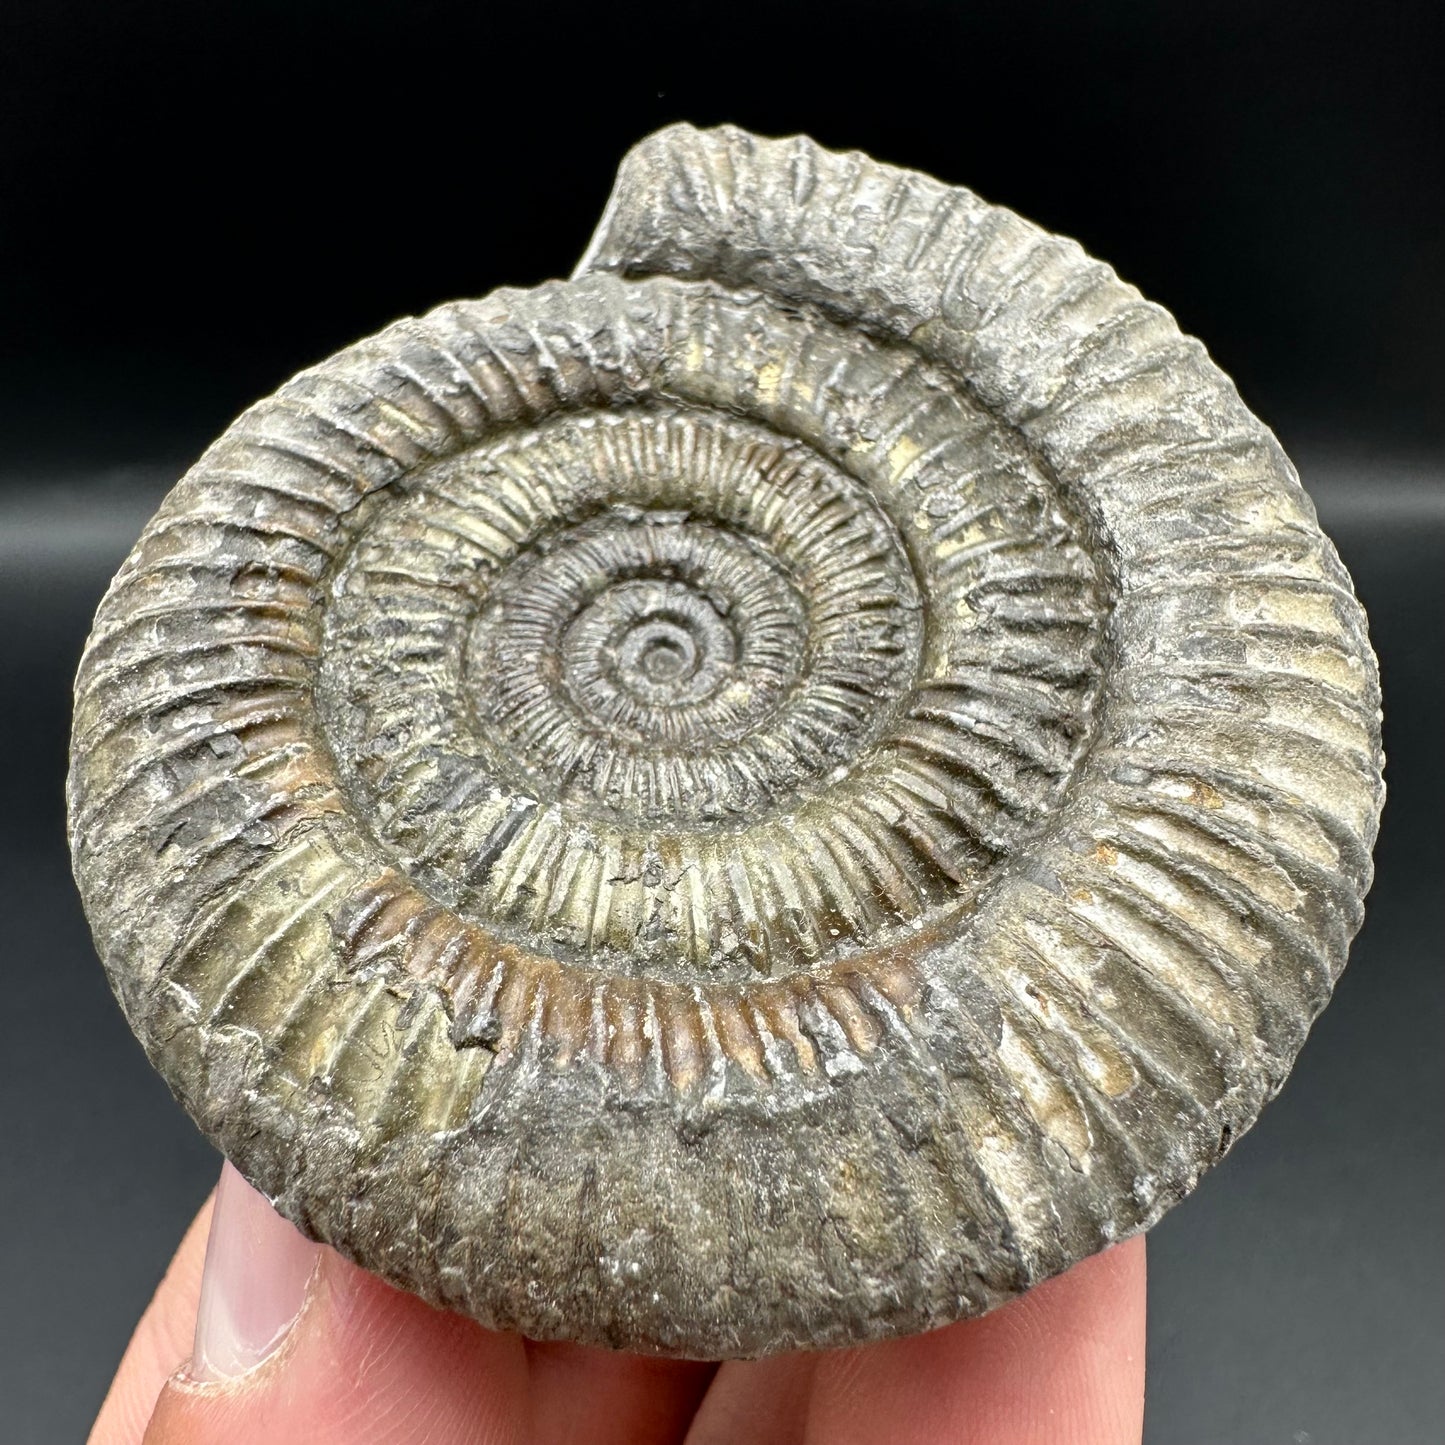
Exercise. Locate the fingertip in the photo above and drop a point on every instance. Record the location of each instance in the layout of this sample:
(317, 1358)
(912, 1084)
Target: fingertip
(1090, 1321)
(257, 1273)
(1062, 1365)
(362, 1364)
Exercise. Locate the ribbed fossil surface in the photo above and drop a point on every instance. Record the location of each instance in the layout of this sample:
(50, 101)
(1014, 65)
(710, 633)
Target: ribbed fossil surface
(774, 793)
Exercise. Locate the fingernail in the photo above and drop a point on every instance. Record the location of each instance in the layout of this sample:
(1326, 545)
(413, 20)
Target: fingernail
(258, 1266)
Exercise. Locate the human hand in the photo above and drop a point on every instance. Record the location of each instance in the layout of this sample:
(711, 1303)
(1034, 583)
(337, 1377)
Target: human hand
(290, 1344)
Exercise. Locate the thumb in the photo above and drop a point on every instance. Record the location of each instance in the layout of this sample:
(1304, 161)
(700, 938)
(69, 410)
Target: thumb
(293, 1343)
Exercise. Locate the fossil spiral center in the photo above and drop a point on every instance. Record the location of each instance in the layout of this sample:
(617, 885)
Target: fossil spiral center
(660, 643)
(661, 652)
(635, 643)
(719, 688)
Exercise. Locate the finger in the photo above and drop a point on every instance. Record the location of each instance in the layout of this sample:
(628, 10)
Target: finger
(1064, 1365)
(294, 1344)
(582, 1394)
(364, 1364)
(160, 1345)
(764, 1402)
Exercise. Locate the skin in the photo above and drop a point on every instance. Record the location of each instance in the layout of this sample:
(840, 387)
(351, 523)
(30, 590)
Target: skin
(365, 1364)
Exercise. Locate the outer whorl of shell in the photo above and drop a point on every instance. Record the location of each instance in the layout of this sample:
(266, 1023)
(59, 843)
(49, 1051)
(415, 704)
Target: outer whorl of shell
(774, 793)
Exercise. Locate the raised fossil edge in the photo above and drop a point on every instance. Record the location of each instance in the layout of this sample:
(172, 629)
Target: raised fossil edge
(910, 1142)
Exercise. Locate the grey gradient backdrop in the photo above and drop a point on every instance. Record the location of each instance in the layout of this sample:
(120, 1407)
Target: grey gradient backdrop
(197, 200)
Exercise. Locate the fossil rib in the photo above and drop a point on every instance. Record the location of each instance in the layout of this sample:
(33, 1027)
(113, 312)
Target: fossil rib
(774, 793)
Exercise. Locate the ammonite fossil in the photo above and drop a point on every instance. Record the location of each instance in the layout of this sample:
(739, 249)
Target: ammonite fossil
(774, 793)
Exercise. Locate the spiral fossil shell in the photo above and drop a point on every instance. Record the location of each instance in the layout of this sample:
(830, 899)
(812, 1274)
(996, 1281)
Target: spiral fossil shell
(774, 793)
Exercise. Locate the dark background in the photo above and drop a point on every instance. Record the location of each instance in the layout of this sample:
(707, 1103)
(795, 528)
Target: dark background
(198, 199)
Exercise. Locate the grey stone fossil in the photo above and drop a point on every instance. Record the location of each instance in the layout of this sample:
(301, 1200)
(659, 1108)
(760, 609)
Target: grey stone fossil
(771, 794)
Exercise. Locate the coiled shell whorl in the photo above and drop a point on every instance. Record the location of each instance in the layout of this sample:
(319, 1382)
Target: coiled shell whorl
(774, 793)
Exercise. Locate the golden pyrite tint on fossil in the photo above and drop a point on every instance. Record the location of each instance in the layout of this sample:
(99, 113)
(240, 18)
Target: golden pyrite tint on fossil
(772, 794)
